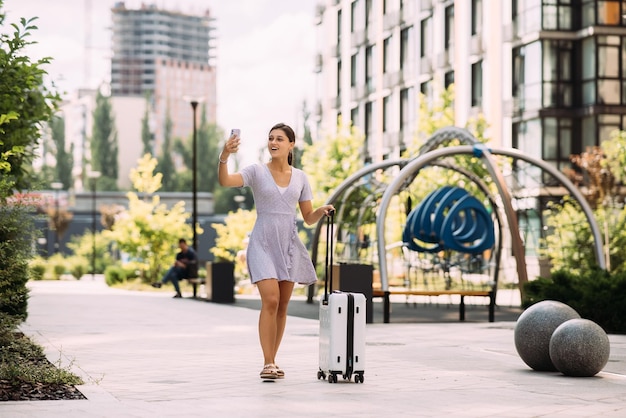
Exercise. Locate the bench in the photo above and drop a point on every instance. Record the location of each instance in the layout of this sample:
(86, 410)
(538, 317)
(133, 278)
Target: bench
(485, 293)
(195, 282)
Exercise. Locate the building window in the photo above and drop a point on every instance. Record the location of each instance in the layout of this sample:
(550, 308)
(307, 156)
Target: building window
(557, 143)
(369, 68)
(603, 72)
(477, 16)
(338, 79)
(405, 110)
(477, 84)
(386, 54)
(557, 66)
(386, 112)
(353, 16)
(425, 38)
(426, 89)
(527, 76)
(557, 15)
(369, 119)
(448, 79)
(354, 116)
(369, 15)
(449, 27)
(353, 70)
(405, 47)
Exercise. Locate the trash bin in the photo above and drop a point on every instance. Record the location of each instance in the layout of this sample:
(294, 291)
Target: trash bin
(220, 282)
(356, 278)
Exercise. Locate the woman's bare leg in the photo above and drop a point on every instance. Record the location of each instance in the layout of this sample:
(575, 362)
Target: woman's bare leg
(286, 289)
(270, 300)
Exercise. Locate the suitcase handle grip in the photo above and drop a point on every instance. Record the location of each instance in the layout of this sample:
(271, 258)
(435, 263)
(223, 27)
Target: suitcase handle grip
(329, 253)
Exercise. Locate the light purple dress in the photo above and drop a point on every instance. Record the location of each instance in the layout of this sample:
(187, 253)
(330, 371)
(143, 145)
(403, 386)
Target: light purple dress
(275, 250)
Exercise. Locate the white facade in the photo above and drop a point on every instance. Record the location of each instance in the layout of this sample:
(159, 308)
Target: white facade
(376, 56)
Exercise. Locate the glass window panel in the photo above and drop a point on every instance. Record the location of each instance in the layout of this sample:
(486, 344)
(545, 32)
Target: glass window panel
(588, 13)
(565, 16)
(532, 71)
(608, 12)
(566, 64)
(608, 91)
(589, 58)
(477, 16)
(589, 92)
(550, 17)
(589, 132)
(550, 60)
(567, 97)
(608, 64)
(550, 135)
(565, 139)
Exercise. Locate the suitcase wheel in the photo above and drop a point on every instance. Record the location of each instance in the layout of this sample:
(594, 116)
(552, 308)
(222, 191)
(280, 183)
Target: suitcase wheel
(321, 375)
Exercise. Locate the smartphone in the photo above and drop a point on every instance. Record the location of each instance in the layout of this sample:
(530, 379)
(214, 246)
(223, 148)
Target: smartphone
(235, 132)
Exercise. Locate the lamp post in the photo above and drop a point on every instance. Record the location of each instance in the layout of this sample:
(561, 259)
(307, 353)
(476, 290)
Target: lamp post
(194, 101)
(56, 186)
(93, 175)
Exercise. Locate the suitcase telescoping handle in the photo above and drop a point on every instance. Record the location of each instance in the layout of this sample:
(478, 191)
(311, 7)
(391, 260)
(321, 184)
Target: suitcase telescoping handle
(328, 280)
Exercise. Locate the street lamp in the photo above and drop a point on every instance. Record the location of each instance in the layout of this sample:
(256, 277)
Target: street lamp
(56, 186)
(93, 175)
(194, 175)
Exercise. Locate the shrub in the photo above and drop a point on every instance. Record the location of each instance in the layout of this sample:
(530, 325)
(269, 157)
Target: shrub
(37, 268)
(78, 266)
(595, 294)
(114, 274)
(17, 233)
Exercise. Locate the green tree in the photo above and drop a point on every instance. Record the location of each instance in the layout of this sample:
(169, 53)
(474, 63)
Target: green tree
(148, 231)
(64, 159)
(104, 147)
(165, 164)
(25, 102)
(329, 162)
(307, 138)
(208, 139)
(25, 105)
(146, 136)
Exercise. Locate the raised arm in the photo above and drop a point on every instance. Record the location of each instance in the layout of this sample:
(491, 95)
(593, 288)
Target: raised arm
(224, 177)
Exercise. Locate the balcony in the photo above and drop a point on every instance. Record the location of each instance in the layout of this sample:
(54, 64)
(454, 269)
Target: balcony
(391, 20)
(358, 39)
(426, 65)
(476, 45)
(443, 59)
(392, 79)
(426, 5)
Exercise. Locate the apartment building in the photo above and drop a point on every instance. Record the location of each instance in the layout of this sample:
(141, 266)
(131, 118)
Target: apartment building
(549, 76)
(168, 55)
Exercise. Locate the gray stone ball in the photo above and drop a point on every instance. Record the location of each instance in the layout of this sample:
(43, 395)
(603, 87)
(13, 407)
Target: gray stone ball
(533, 331)
(579, 347)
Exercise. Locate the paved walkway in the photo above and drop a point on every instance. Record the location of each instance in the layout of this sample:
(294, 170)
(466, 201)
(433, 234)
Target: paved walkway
(148, 355)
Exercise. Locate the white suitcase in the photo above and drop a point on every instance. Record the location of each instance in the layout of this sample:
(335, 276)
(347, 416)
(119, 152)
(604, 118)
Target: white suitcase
(342, 337)
(342, 327)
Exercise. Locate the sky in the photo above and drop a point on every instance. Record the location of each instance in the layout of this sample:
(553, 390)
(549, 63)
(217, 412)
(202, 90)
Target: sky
(265, 54)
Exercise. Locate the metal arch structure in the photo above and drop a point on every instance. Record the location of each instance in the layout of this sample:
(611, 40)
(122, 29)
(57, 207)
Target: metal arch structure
(486, 155)
(351, 183)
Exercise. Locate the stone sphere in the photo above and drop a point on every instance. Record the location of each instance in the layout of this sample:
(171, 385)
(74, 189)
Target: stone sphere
(579, 347)
(533, 331)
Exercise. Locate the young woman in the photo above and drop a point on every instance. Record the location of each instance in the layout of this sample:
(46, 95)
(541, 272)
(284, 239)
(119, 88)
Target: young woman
(276, 257)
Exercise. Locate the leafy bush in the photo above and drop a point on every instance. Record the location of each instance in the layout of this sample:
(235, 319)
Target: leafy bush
(114, 274)
(17, 233)
(596, 295)
(37, 268)
(78, 266)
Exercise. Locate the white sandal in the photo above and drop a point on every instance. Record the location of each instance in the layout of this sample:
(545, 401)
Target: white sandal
(269, 372)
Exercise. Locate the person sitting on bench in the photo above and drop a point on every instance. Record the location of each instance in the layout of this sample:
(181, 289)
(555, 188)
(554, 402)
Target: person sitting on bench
(185, 267)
